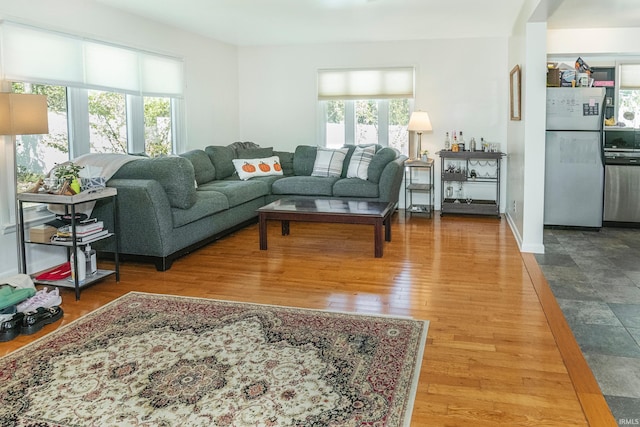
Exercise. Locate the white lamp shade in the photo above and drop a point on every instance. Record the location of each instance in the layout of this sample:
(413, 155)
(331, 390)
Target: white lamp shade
(419, 122)
(23, 114)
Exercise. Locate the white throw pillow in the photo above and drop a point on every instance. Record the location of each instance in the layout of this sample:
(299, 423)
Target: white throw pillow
(248, 168)
(329, 162)
(359, 163)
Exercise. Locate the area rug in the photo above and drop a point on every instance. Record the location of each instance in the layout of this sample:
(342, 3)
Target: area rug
(158, 360)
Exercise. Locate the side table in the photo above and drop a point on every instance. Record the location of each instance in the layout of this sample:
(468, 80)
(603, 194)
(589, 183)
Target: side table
(418, 178)
(70, 203)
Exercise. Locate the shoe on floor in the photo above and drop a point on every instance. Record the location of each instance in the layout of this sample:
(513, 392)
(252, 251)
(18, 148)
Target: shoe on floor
(11, 328)
(33, 321)
(42, 298)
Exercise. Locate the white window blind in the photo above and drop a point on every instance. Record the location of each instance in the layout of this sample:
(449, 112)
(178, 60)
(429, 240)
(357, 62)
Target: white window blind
(378, 83)
(40, 56)
(630, 76)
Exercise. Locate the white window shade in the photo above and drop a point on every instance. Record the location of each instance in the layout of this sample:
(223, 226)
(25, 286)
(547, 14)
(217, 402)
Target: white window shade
(380, 83)
(111, 67)
(163, 76)
(40, 56)
(630, 76)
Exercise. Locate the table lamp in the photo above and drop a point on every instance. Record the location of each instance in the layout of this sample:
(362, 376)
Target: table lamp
(22, 114)
(419, 122)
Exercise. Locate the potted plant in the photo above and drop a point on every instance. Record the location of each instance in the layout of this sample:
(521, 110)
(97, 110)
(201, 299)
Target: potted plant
(67, 175)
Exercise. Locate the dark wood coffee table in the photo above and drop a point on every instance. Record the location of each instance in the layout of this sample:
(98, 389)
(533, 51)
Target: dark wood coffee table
(344, 211)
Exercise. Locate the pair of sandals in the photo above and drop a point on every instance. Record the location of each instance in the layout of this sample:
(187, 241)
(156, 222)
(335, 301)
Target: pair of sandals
(30, 322)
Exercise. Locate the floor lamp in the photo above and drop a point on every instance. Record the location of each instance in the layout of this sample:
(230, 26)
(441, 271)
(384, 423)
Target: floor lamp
(418, 122)
(21, 114)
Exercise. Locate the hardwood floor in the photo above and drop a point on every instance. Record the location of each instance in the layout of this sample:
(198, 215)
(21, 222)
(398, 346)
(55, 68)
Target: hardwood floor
(497, 353)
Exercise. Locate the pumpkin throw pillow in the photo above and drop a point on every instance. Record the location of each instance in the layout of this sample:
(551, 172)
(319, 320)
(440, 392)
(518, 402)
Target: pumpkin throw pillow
(359, 163)
(248, 168)
(329, 162)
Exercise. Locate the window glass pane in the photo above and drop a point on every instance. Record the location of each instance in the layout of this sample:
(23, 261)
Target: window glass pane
(107, 122)
(366, 122)
(629, 107)
(398, 122)
(157, 126)
(335, 124)
(36, 155)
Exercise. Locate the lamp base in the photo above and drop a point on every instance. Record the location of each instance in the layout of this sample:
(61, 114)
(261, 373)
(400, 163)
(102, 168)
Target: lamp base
(414, 148)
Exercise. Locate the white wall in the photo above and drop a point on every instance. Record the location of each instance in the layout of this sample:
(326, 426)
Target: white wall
(525, 198)
(211, 74)
(462, 84)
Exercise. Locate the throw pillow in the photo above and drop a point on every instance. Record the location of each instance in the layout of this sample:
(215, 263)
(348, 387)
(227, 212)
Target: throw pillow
(249, 168)
(359, 163)
(329, 162)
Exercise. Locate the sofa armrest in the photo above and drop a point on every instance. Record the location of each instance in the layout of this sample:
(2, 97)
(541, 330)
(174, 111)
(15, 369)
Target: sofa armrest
(391, 180)
(144, 216)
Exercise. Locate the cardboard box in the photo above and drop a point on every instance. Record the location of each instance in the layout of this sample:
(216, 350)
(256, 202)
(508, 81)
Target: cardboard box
(553, 77)
(41, 233)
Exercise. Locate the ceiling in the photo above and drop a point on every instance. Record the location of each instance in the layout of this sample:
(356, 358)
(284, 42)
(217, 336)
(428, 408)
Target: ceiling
(275, 22)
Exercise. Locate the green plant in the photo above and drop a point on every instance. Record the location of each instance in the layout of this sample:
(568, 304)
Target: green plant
(67, 171)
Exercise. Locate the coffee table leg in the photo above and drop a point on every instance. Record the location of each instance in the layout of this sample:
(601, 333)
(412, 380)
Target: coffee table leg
(262, 226)
(387, 228)
(377, 230)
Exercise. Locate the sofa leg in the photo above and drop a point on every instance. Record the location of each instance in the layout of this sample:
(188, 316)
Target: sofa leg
(163, 263)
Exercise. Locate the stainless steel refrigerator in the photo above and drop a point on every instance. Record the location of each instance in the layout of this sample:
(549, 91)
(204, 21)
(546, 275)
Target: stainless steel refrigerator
(574, 157)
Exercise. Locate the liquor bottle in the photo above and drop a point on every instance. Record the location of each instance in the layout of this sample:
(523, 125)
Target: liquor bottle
(461, 143)
(447, 142)
(90, 258)
(483, 145)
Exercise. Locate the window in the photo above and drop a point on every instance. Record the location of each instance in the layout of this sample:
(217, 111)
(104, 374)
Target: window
(107, 122)
(365, 106)
(629, 95)
(101, 97)
(37, 154)
(101, 116)
(157, 126)
(370, 121)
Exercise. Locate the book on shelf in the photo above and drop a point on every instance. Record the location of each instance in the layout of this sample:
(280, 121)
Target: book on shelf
(88, 238)
(81, 229)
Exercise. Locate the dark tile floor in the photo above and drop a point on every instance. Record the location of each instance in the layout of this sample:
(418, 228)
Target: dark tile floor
(595, 277)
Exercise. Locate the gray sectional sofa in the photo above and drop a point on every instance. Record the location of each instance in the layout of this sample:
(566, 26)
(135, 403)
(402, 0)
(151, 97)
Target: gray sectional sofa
(170, 206)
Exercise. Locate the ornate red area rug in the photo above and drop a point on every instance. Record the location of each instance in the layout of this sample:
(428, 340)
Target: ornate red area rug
(158, 360)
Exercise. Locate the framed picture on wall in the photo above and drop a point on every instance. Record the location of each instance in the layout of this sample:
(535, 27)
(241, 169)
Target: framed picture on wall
(514, 93)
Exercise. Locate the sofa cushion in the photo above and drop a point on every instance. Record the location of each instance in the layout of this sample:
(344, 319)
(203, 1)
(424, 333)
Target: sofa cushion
(329, 162)
(175, 174)
(254, 153)
(304, 185)
(236, 191)
(378, 163)
(303, 160)
(355, 187)
(359, 162)
(249, 168)
(207, 204)
(286, 161)
(202, 166)
(221, 157)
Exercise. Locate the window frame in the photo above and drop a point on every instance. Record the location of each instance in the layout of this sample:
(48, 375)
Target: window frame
(350, 120)
(79, 144)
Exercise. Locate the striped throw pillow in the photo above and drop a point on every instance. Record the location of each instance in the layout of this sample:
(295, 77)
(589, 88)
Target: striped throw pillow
(359, 163)
(329, 162)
